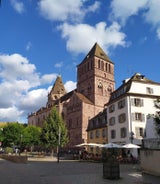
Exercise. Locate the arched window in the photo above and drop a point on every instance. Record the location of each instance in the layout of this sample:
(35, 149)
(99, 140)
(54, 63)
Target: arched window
(106, 67)
(99, 63)
(102, 65)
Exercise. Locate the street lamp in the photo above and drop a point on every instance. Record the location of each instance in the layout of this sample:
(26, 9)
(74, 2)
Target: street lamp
(59, 142)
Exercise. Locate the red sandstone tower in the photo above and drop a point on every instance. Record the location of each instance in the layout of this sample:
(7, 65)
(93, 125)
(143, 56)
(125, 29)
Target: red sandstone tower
(95, 82)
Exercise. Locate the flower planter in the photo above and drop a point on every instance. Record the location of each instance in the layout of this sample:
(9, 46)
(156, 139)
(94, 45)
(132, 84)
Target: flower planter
(111, 170)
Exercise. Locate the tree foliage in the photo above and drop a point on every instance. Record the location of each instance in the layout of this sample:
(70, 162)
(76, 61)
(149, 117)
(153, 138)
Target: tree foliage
(51, 135)
(156, 116)
(16, 134)
(12, 134)
(31, 136)
(54, 131)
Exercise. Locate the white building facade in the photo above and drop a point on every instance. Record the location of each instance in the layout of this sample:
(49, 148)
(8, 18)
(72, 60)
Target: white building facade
(128, 110)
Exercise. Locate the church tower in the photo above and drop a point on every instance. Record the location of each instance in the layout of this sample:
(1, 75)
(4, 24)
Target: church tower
(57, 91)
(95, 76)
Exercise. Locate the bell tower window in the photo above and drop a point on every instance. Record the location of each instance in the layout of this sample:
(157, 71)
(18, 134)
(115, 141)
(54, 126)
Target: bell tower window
(99, 63)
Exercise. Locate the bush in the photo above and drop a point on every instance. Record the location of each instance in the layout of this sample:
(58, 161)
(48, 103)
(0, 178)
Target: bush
(8, 150)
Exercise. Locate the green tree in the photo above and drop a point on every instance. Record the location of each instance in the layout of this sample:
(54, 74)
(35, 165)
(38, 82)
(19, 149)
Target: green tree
(1, 135)
(156, 116)
(12, 134)
(31, 136)
(54, 131)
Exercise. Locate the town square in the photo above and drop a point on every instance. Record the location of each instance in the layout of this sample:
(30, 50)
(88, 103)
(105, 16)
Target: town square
(79, 92)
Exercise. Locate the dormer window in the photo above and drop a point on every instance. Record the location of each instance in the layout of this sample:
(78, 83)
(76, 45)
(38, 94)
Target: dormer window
(149, 90)
(141, 77)
(111, 108)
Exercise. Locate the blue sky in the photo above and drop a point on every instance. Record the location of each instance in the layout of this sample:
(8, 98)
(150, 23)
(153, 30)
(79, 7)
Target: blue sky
(41, 39)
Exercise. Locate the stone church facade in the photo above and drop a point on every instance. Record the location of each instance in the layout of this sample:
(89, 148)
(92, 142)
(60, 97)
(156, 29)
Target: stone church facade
(95, 82)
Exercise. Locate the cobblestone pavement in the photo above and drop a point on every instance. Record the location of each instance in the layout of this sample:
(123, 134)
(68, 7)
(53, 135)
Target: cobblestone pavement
(69, 172)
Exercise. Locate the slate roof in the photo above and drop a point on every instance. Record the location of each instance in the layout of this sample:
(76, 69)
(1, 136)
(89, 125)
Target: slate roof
(141, 78)
(58, 87)
(137, 77)
(83, 98)
(96, 122)
(98, 52)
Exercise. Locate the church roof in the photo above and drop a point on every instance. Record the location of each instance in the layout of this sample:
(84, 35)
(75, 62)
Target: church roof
(58, 87)
(79, 95)
(97, 51)
(83, 98)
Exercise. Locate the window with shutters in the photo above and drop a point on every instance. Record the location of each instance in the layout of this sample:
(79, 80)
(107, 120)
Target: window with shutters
(121, 104)
(140, 132)
(113, 134)
(137, 102)
(112, 121)
(97, 133)
(122, 118)
(91, 135)
(111, 108)
(149, 90)
(123, 132)
(137, 116)
(104, 132)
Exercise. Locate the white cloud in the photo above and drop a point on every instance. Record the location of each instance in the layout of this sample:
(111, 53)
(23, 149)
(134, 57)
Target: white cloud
(18, 6)
(10, 114)
(93, 7)
(123, 9)
(153, 14)
(62, 10)
(106, 36)
(48, 78)
(58, 65)
(70, 85)
(18, 78)
(18, 68)
(158, 33)
(33, 100)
